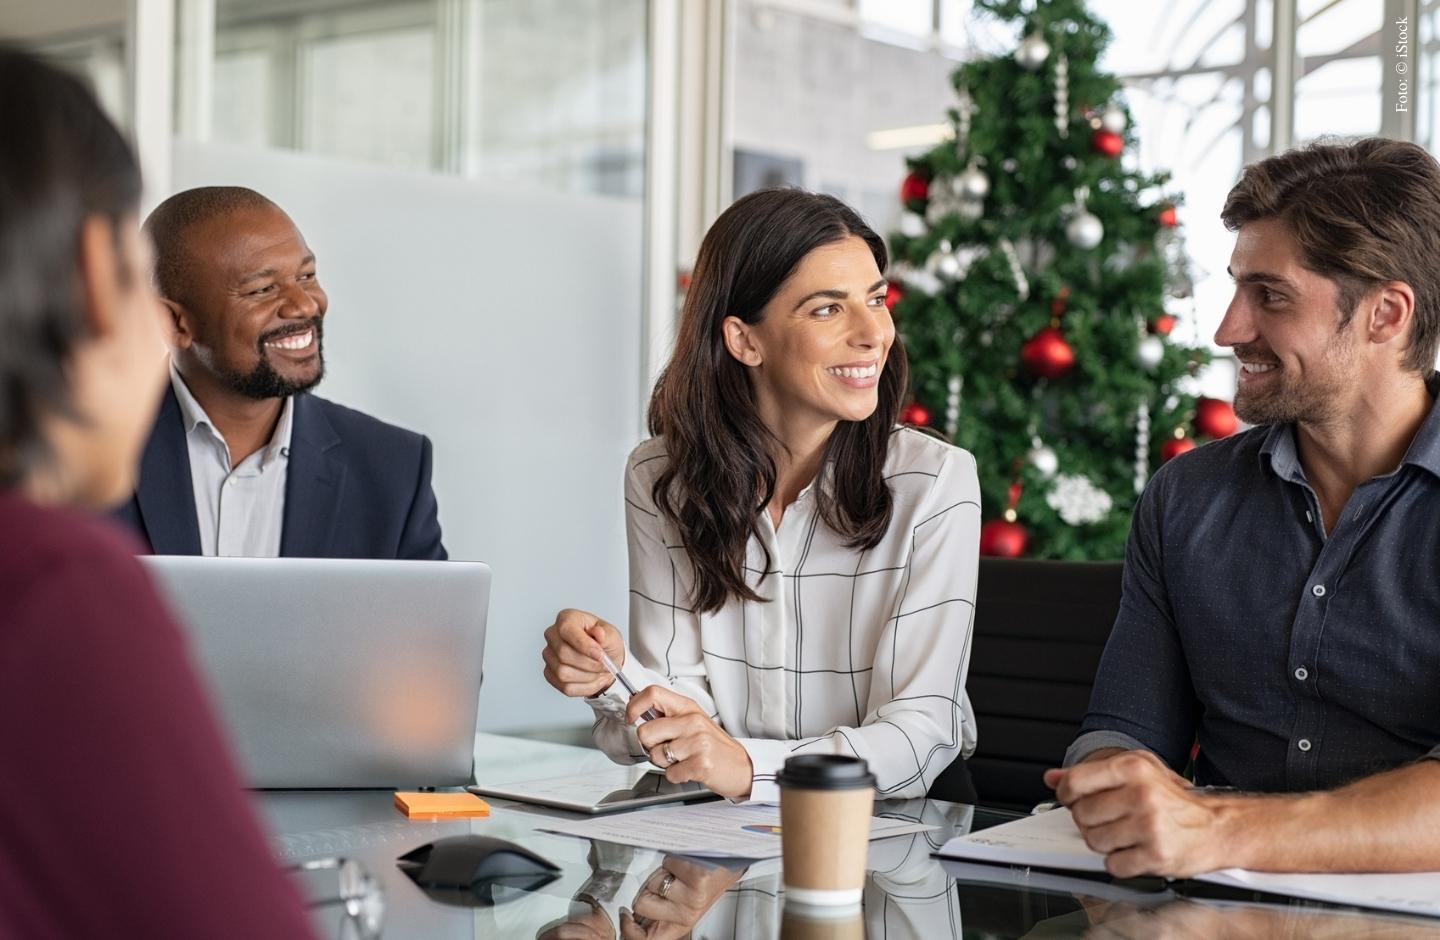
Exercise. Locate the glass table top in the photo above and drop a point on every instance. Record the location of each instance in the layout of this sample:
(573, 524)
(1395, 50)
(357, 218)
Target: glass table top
(607, 891)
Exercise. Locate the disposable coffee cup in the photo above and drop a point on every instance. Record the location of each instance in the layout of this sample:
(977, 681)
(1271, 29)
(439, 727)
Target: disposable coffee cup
(825, 805)
(799, 922)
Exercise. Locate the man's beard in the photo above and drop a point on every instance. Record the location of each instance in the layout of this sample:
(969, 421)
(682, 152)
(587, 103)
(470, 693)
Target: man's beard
(263, 381)
(1314, 400)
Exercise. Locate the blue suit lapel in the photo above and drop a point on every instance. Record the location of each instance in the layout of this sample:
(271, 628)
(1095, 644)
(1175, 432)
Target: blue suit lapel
(313, 484)
(166, 494)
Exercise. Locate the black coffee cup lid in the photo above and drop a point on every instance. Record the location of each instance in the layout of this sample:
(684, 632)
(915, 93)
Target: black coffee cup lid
(825, 772)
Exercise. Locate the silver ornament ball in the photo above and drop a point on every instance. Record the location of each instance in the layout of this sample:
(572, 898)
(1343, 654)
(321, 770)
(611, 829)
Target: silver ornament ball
(1084, 231)
(911, 225)
(1113, 120)
(1033, 52)
(970, 210)
(1150, 351)
(924, 281)
(943, 262)
(972, 184)
(1044, 461)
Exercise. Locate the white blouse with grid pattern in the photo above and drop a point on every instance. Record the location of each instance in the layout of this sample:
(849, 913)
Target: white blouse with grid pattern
(854, 651)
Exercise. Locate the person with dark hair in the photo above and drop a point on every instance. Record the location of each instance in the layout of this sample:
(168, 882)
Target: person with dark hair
(121, 814)
(242, 459)
(1277, 610)
(802, 570)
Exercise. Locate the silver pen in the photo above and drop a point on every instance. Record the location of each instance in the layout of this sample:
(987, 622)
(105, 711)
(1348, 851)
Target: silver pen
(650, 714)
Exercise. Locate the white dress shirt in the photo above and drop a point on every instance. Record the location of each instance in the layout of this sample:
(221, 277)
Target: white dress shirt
(854, 651)
(240, 510)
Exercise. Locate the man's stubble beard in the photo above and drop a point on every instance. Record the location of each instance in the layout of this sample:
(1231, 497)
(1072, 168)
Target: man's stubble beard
(1316, 401)
(265, 382)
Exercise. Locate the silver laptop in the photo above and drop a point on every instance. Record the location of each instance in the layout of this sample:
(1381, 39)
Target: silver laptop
(333, 673)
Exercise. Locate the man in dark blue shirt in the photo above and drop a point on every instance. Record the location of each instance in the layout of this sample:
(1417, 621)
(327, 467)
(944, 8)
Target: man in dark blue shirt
(1280, 606)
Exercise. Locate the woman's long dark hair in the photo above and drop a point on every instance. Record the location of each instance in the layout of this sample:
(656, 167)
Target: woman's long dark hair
(61, 161)
(722, 458)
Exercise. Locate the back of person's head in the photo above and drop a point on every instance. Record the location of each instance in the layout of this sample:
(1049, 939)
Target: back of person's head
(1362, 213)
(722, 456)
(62, 163)
(171, 221)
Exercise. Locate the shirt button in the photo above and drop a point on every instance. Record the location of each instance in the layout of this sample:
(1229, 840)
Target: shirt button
(1303, 744)
(232, 481)
(1302, 673)
(1318, 590)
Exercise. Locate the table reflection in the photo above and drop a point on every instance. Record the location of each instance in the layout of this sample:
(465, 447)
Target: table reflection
(1040, 905)
(1189, 918)
(640, 895)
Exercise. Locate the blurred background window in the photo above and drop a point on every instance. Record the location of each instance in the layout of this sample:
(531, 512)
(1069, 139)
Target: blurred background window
(543, 92)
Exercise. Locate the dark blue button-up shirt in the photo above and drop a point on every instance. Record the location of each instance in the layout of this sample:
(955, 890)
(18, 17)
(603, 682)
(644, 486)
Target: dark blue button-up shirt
(1298, 661)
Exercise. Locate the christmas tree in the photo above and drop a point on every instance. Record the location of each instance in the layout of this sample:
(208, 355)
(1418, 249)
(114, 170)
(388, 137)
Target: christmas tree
(1032, 271)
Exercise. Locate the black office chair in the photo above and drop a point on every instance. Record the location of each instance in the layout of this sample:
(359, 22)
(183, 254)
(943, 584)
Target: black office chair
(1040, 627)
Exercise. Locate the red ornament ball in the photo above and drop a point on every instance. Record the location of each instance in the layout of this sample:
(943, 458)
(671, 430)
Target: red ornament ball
(1175, 446)
(1167, 217)
(1003, 539)
(1215, 418)
(915, 413)
(1107, 143)
(914, 189)
(1162, 324)
(1046, 354)
(893, 295)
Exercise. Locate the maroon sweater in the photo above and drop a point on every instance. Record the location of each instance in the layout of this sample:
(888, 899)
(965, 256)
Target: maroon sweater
(121, 814)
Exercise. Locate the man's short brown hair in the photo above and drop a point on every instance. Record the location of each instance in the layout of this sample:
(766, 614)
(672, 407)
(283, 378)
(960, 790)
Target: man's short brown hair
(1362, 212)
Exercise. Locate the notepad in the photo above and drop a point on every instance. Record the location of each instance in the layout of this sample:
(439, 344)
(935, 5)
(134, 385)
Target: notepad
(440, 805)
(1050, 840)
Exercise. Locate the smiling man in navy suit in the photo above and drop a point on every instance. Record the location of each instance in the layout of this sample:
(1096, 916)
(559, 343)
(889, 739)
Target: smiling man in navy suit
(243, 460)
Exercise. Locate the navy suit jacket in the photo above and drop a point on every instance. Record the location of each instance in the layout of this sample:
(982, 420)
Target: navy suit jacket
(355, 487)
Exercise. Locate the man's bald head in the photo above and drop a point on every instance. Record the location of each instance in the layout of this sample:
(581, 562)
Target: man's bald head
(239, 283)
(174, 218)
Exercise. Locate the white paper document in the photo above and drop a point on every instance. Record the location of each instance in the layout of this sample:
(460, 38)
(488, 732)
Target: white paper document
(1050, 840)
(715, 830)
(1413, 893)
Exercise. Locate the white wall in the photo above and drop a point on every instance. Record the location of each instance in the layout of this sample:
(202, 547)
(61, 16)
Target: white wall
(506, 326)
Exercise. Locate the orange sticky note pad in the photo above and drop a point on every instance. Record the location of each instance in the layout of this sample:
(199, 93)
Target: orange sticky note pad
(438, 805)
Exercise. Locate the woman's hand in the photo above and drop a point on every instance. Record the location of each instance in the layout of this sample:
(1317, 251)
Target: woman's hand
(591, 923)
(572, 653)
(688, 744)
(674, 898)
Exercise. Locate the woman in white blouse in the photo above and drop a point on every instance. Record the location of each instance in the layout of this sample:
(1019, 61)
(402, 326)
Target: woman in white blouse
(802, 571)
